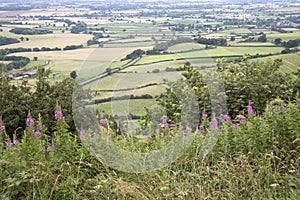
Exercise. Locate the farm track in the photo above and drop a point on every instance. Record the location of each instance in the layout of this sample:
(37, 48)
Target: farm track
(105, 74)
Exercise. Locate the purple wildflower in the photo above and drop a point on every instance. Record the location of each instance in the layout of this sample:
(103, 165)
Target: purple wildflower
(186, 130)
(235, 125)
(2, 128)
(204, 115)
(241, 118)
(173, 126)
(214, 123)
(82, 132)
(202, 129)
(9, 143)
(157, 130)
(37, 134)
(250, 109)
(226, 117)
(165, 122)
(58, 115)
(131, 123)
(282, 106)
(102, 122)
(268, 107)
(169, 134)
(29, 120)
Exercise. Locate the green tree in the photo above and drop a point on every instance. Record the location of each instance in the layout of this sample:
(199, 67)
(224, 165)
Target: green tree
(73, 74)
(257, 81)
(262, 38)
(278, 41)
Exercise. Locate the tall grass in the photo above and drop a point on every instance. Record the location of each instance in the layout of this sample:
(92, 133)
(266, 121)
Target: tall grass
(255, 157)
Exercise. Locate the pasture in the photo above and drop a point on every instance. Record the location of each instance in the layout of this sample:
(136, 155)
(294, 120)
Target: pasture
(284, 36)
(126, 107)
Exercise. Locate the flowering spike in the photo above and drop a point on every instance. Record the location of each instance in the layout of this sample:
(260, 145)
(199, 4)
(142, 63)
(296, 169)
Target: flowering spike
(204, 115)
(250, 109)
(2, 126)
(214, 123)
(173, 126)
(268, 106)
(82, 132)
(102, 122)
(235, 125)
(202, 129)
(29, 120)
(131, 123)
(15, 140)
(165, 122)
(58, 115)
(282, 106)
(37, 134)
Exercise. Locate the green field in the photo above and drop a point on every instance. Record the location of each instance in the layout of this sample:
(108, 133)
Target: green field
(124, 107)
(291, 62)
(186, 47)
(284, 36)
(150, 67)
(132, 80)
(220, 51)
(154, 90)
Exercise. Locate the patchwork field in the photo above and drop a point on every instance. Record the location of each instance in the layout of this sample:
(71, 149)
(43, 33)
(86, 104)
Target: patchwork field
(57, 39)
(284, 36)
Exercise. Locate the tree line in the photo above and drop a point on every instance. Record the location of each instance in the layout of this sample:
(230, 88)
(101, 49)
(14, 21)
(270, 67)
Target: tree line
(29, 31)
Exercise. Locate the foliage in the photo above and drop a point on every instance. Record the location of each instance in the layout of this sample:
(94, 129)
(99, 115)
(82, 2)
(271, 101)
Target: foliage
(7, 40)
(258, 81)
(28, 31)
(212, 41)
(255, 156)
(135, 54)
(17, 100)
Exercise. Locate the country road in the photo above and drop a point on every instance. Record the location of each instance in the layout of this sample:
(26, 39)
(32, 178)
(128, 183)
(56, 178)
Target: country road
(111, 72)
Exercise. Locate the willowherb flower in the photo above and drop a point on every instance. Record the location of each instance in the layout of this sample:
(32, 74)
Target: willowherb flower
(169, 134)
(250, 109)
(131, 123)
(9, 143)
(204, 115)
(58, 115)
(37, 134)
(268, 106)
(102, 122)
(82, 132)
(173, 126)
(2, 128)
(186, 130)
(157, 130)
(165, 122)
(235, 125)
(226, 117)
(241, 118)
(29, 120)
(202, 129)
(282, 106)
(162, 137)
(214, 123)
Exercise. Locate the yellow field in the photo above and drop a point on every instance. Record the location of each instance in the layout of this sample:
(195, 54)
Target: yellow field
(57, 39)
(88, 62)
